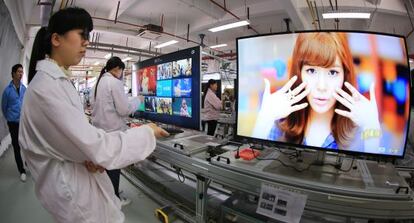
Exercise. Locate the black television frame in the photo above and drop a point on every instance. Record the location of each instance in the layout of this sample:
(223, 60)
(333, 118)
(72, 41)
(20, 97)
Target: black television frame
(185, 122)
(246, 139)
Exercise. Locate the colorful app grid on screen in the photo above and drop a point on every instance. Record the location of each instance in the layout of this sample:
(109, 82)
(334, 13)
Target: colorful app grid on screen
(182, 87)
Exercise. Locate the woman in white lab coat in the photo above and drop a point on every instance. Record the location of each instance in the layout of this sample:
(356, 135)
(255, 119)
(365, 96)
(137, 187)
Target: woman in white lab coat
(56, 137)
(110, 107)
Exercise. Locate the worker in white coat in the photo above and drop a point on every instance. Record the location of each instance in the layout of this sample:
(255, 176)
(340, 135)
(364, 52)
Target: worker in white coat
(56, 137)
(110, 107)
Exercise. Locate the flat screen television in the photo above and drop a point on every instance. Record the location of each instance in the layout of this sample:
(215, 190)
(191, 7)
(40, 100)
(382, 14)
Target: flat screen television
(171, 86)
(329, 90)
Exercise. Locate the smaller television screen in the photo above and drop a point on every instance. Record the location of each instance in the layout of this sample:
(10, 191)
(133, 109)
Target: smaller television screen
(171, 88)
(164, 106)
(164, 71)
(164, 88)
(182, 107)
(182, 87)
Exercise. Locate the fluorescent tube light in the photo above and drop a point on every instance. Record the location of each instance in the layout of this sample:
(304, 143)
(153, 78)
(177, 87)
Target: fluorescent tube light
(229, 26)
(126, 59)
(346, 15)
(107, 56)
(219, 45)
(171, 42)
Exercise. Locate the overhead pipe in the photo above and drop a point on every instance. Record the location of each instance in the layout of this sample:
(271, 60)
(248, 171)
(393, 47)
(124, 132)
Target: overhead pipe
(117, 10)
(411, 22)
(121, 52)
(45, 11)
(142, 27)
(106, 45)
(228, 11)
(312, 12)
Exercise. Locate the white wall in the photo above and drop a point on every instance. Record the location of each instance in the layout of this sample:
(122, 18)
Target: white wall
(10, 51)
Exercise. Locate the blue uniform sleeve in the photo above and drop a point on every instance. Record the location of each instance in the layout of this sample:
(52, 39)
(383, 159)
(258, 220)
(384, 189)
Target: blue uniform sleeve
(4, 103)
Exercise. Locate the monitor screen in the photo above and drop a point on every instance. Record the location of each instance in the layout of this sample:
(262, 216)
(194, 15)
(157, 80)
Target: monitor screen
(170, 85)
(339, 91)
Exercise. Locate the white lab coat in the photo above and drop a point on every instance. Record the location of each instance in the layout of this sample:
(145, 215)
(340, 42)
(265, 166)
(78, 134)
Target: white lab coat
(56, 139)
(111, 106)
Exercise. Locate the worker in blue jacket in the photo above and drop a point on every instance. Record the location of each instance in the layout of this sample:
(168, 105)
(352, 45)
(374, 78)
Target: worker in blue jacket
(11, 104)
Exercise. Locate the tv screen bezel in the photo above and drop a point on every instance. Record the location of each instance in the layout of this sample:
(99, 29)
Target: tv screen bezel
(244, 139)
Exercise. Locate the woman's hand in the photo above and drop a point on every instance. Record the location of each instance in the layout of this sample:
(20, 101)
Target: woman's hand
(363, 112)
(91, 167)
(280, 104)
(158, 132)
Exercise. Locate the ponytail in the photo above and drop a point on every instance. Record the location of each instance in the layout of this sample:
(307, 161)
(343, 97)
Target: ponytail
(99, 78)
(41, 47)
(112, 63)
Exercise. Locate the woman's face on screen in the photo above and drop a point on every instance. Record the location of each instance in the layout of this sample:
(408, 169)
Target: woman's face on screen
(322, 83)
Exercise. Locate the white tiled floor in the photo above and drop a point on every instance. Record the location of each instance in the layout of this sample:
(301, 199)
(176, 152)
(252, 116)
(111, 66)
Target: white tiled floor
(17, 197)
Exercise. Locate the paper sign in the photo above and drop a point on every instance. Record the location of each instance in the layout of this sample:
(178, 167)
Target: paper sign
(282, 205)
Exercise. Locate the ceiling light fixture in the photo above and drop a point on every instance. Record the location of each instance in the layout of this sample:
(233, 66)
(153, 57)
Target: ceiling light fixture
(346, 15)
(219, 45)
(96, 63)
(126, 59)
(107, 56)
(229, 26)
(171, 42)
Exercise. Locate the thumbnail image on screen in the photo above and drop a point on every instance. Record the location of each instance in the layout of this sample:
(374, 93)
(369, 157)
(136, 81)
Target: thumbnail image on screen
(182, 87)
(181, 67)
(164, 71)
(343, 91)
(182, 107)
(150, 104)
(164, 88)
(147, 80)
(164, 106)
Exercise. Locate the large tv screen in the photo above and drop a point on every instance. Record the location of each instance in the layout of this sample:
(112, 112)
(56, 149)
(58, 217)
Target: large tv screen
(170, 85)
(339, 91)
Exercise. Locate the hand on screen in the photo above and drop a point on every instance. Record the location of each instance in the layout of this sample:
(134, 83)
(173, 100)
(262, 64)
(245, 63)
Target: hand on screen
(158, 132)
(280, 104)
(363, 112)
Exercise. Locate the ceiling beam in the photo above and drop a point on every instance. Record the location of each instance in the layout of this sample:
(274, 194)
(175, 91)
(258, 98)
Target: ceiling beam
(299, 21)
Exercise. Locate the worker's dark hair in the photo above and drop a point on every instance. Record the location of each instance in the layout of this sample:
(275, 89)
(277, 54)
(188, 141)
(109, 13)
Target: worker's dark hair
(112, 63)
(15, 67)
(61, 22)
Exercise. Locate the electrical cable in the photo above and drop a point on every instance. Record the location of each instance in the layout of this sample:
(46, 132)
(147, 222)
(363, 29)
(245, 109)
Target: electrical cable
(179, 174)
(307, 167)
